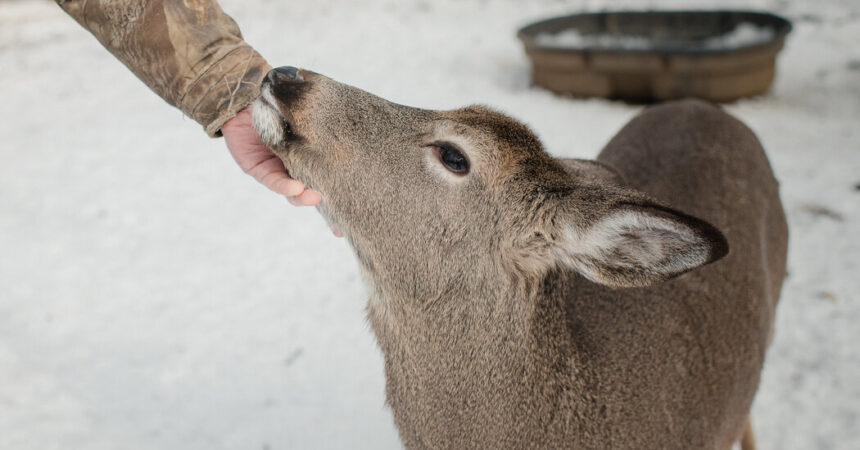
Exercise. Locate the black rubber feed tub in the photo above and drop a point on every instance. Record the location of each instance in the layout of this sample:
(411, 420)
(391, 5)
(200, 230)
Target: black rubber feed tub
(656, 55)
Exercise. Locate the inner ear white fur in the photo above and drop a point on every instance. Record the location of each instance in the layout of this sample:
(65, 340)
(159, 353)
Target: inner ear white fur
(633, 247)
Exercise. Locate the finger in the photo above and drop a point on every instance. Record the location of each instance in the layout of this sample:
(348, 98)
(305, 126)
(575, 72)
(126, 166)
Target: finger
(309, 197)
(279, 182)
(293, 201)
(271, 173)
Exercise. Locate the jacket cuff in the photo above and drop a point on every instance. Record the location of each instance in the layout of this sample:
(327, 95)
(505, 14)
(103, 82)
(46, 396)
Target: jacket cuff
(224, 88)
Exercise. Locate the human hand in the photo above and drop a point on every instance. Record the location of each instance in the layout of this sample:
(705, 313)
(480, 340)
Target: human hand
(256, 160)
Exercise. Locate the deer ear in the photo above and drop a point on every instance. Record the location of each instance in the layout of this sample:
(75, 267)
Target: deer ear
(635, 245)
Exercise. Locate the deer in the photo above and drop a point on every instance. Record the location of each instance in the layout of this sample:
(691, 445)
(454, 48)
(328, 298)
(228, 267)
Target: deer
(526, 301)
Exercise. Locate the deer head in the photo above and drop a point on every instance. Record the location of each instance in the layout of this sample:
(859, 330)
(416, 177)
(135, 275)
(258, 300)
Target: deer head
(438, 204)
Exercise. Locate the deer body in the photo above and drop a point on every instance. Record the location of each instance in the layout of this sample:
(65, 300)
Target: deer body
(532, 302)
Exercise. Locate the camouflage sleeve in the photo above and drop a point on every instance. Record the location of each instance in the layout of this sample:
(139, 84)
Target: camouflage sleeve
(188, 51)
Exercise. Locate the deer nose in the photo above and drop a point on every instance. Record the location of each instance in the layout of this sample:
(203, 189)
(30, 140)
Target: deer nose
(284, 74)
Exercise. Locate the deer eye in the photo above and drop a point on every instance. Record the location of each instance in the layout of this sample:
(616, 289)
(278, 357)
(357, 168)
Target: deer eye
(452, 158)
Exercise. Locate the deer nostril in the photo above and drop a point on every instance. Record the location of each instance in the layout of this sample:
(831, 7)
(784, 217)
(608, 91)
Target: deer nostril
(285, 74)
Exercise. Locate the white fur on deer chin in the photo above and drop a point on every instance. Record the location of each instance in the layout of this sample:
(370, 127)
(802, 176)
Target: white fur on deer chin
(268, 122)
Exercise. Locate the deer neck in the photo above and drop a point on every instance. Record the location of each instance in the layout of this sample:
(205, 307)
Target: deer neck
(470, 355)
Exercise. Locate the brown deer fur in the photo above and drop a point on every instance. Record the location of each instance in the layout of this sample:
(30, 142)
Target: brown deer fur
(544, 303)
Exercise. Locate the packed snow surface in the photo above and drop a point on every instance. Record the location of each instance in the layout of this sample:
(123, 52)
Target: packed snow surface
(152, 296)
(744, 35)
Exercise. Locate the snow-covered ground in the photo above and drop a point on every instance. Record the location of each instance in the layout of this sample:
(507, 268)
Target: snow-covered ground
(154, 297)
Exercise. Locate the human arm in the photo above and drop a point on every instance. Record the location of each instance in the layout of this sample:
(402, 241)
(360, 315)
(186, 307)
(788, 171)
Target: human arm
(192, 54)
(189, 52)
